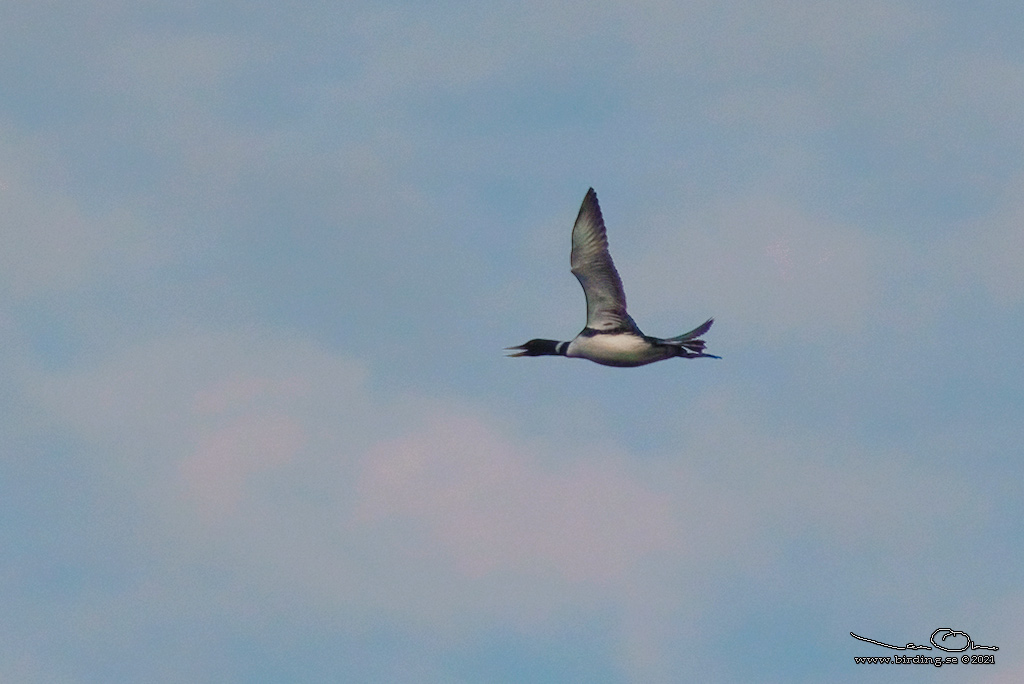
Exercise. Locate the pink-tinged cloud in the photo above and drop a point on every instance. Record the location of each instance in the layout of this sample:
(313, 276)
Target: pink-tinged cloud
(231, 393)
(209, 420)
(243, 432)
(226, 459)
(496, 508)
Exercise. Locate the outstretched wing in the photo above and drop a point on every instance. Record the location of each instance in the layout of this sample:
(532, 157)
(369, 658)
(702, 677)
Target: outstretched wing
(592, 265)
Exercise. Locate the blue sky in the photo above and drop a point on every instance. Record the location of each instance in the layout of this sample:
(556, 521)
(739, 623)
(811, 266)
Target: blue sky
(258, 263)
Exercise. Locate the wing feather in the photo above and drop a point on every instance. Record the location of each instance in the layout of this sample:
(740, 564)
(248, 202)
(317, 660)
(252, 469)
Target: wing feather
(592, 265)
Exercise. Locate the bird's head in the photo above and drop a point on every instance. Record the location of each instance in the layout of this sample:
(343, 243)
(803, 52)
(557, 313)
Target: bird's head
(537, 348)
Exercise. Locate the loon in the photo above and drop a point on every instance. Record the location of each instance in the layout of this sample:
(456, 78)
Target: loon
(611, 337)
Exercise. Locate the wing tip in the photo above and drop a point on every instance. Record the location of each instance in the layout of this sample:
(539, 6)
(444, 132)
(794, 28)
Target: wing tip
(590, 209)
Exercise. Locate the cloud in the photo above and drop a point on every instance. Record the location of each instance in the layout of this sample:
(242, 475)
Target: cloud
(270, 461)
(216, 472)
(205, 413)
(496, 507)
(49, 242)
(765, 264)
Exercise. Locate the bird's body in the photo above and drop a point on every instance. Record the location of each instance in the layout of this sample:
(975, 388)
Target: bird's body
(611, 337)
(619, 349)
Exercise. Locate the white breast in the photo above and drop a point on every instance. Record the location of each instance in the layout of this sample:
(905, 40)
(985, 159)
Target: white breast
(617, 350)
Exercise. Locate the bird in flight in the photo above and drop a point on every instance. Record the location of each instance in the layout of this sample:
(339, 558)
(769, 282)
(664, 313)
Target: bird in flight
(611, 337)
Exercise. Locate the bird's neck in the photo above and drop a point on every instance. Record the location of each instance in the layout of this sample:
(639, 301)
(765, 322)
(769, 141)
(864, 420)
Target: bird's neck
(551, 348)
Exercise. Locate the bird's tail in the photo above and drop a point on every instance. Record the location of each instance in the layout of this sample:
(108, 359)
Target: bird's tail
(689, 345)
